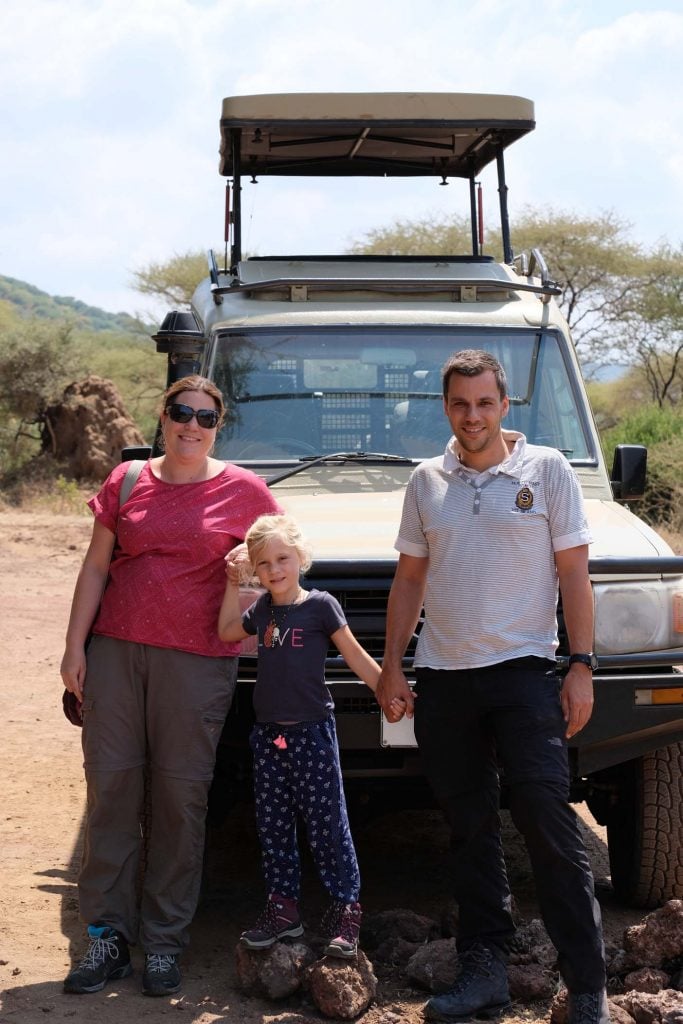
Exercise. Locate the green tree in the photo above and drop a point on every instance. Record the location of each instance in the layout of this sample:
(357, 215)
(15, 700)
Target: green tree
(596, 266)
(427, 237)
(173, 280)
(40, 357)
(654, 327)
(607, 280)
(37, 359)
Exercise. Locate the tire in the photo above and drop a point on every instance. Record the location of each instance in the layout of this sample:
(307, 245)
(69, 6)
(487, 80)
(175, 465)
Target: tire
(645, 829)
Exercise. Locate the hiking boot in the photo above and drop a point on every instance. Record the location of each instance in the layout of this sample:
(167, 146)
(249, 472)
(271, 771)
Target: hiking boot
(107, 958)
(162, 975)
(480, 990)
(587, 1008)
(345, 926)
(279, 920)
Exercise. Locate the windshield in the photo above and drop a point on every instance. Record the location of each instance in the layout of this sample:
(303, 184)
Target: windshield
(304, 393)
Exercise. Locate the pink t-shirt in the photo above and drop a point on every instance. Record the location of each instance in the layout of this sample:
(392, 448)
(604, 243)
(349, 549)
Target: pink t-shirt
(167, 577)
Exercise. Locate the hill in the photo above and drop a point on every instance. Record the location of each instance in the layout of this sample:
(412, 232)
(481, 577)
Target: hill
(29, 301)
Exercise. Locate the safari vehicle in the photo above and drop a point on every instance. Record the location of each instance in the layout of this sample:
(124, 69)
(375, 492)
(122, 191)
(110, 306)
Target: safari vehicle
(330, 366)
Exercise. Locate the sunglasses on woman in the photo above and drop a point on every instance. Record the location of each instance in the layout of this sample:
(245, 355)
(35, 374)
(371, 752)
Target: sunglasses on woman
(206, 418)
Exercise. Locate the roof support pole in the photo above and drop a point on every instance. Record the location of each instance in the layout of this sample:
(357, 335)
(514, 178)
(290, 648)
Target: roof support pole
(236, 248)
(473, 218)
(503, 199)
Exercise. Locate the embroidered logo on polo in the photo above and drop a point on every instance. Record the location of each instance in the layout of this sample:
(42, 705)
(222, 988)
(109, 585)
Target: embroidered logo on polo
(525, 499)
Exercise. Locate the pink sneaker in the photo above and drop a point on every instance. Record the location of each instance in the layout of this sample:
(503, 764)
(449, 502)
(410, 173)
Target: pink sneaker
(345, 920)
(279, 920)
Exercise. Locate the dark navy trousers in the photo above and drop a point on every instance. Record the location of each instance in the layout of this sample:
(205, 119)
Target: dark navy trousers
(303, 779)
(469, 724)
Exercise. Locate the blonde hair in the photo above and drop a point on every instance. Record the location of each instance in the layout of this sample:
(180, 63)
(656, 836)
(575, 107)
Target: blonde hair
(278, 527)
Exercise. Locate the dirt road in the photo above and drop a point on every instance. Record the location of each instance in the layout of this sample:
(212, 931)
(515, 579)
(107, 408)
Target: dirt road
(403, 857)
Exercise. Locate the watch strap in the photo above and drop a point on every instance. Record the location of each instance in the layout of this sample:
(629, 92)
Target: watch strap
(584, 659)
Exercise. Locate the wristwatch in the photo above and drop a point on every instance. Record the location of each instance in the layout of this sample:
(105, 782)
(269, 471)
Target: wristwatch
(585, 659)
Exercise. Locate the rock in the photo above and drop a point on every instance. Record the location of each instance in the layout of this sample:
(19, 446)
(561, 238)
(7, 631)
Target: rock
(88, 427)
(658, 937)
(531, 983)
(558, 1008)
(434, 966)
(342, 988)
(397, 951)
(651, 1008)
(620, 962)
(276, 972)
(618, 1013)
(646, 979)
(391, 925)
(531, 944)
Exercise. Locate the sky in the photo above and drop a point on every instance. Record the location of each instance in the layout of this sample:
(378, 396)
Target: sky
(109, 114)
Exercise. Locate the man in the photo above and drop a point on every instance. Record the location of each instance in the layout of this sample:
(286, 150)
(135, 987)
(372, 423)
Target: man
(487, 532)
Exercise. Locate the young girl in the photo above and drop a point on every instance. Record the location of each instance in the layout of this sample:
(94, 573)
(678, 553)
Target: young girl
(294, 742)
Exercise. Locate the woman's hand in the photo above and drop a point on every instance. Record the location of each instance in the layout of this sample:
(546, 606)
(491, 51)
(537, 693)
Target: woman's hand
(72, 670)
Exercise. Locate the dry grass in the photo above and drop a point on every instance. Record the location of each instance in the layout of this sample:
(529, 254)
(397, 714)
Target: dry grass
(58, 496)
(673, 539)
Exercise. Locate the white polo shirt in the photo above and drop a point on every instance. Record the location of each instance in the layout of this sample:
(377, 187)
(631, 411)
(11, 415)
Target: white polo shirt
(490, 537)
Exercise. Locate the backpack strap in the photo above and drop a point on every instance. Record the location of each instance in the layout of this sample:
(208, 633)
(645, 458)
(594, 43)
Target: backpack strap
(131, 475)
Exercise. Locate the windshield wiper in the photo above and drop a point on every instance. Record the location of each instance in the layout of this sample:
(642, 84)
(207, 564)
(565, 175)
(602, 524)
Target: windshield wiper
(310, 460)
(269, 396)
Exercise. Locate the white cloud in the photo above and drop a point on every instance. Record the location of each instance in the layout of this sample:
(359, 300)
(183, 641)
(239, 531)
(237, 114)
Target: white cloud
(111, 116)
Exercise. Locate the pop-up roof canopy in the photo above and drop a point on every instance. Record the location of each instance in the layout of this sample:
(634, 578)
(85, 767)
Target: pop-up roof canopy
(354, 134)
(447, 135)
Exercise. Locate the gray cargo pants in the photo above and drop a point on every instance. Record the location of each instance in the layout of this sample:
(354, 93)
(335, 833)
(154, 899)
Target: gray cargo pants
(163, 708)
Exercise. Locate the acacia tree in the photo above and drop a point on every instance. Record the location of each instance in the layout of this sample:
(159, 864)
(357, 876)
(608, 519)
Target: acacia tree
(597, 267)
(604, 276)
(36, 359)
(654, 329)
(173, 280)
(427, 237)
(622, 302)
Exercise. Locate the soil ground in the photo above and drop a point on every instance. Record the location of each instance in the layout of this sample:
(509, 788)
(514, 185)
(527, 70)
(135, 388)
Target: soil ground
(403, 856)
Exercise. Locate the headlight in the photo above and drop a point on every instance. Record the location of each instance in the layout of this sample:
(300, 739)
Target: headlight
(639, 615)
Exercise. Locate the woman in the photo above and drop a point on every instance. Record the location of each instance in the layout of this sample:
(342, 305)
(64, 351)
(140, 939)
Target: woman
(158, 686)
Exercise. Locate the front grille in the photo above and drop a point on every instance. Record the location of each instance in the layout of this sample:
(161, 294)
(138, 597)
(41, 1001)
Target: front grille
(361, 705)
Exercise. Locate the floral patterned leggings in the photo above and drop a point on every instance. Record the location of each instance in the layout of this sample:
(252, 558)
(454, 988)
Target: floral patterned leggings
(302, 776)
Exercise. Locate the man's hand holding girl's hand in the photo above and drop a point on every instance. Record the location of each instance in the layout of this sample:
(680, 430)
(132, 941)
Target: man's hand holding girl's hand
(396, 710)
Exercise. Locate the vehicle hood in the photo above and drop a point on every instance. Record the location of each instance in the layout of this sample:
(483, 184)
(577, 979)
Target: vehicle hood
(347, 519)
(617, 531)
(358, 526)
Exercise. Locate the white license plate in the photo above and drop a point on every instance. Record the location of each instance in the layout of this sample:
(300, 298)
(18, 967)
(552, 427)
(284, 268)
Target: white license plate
(398, 734)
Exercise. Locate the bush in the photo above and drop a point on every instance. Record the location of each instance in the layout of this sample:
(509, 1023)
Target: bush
(38, 359)
(663, 501)
(661, 431)
(647, 424)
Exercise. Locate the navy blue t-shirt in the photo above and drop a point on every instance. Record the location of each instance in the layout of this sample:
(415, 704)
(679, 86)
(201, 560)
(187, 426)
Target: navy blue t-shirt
(290, 680)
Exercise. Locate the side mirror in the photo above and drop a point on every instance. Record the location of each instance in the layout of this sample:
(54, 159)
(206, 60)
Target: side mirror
(629, 472)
